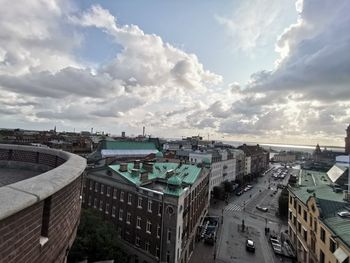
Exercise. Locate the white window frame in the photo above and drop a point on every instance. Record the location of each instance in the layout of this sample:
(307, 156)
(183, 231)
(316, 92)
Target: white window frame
(120, 214)
(138, 222)
(148, 227)
(149, 206)
(139, 202)
(121, 196)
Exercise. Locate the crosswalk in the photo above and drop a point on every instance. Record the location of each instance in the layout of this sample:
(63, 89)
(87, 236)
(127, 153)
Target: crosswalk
(233, 207)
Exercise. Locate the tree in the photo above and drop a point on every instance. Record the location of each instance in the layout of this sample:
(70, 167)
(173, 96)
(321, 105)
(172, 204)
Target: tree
(96, 240)
(228, 186)
(219, 192)
(283, 203)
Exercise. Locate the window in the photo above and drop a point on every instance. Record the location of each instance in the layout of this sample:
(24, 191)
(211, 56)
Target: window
(159, 209)
(113, 211)
(137, 241)
(107, 209)
(305, 216)
(290, 199)
(168, 256)
(129, 199)
(96, 186)
(101, 205)
(295, 204)
(147, 246)
(315, 225)
(290, 215)
(169, 235)
(90, 185)
(114, 193)
(148, 227)
(102, 189)
(299, 209)
(322, 234)
(90, 200)
(305, 234)
(139, 202)
(158, 231)
(128, 216)
(321, 256)
(120, 214)
(121, 196)
(157, 252)
(332, 245)
(149, 206)
(299, 227)
(95, 202)
(138, 222)
(108, 191)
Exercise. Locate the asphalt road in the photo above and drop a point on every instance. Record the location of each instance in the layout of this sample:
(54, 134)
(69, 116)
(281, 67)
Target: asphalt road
(230, 245)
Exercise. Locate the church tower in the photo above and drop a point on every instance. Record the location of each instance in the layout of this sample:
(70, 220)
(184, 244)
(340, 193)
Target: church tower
(347, 141)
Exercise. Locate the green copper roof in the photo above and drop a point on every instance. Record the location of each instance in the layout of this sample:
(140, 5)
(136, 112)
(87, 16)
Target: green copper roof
(174, 180)
(177, 174)
(127, 145)
(159, 155)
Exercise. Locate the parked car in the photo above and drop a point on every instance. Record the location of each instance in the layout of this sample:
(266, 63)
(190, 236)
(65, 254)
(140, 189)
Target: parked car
(277, 248)
(239, 193)
(264, 209)
(250, 245)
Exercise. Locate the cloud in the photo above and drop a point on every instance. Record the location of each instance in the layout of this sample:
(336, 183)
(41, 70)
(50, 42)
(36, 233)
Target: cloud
(253, 23)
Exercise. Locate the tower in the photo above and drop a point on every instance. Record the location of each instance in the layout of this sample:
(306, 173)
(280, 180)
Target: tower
(347, 141)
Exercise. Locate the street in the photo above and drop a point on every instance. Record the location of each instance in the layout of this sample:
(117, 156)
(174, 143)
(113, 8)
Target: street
(230, 245)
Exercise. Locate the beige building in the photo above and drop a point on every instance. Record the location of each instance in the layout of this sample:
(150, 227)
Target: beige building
(319, 220)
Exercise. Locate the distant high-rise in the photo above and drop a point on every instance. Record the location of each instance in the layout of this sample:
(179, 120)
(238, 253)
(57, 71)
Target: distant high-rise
(347, 141)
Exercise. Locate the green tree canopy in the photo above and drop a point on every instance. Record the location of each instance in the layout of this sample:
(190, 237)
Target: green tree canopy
(96, 239)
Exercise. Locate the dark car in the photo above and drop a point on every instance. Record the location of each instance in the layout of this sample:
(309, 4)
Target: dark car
(249, 245)
(239, 193)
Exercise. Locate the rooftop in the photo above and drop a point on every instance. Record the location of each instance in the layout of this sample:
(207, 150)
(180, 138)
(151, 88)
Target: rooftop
(161, 176)
(329, 202)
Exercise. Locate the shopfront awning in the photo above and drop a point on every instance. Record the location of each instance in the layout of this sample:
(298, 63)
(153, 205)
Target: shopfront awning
(340, 255)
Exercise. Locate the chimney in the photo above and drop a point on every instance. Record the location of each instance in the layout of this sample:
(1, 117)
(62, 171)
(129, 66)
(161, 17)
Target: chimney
(123, 167)
(169, 173)
(137, 164)
(144, 177)
(148, 167)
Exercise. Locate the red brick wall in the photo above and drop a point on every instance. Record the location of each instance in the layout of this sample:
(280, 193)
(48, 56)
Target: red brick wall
(20, 233)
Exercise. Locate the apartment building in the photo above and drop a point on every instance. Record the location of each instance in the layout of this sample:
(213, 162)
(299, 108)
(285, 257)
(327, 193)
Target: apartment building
(156, 207)
(319, 219)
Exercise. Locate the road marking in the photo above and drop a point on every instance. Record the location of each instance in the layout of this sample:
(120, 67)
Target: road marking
(233, 207)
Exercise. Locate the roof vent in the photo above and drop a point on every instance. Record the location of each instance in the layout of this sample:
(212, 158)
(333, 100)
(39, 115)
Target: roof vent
(310, 190)
(123, 167)
(344, 214)
(169, 173)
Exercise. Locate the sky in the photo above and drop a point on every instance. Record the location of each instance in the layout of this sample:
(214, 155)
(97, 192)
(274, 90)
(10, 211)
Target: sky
(268, 71)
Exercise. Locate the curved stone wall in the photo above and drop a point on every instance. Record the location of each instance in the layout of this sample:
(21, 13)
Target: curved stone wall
(39, 216)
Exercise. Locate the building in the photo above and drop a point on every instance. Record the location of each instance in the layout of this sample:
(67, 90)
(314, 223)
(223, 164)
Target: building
(222, 164)
(284, 157)
(318, 220)
(347, 141)
(156, 207)
(110, 151)
(256, 160)
(40, 191)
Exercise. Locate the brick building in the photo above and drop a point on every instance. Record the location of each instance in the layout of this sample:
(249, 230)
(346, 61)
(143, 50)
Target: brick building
(156, 207)
(257, 159)
(39, 212)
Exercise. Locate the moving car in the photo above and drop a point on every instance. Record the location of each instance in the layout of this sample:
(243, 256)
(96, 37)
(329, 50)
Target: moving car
(249, 245)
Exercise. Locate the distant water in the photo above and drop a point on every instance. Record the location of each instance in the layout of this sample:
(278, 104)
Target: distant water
(288, 147)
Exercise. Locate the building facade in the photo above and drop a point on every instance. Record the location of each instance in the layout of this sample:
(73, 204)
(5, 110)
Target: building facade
(318, 221)
(156, 207)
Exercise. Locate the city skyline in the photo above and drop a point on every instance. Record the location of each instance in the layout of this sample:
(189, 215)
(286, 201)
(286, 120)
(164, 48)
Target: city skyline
(257, 71)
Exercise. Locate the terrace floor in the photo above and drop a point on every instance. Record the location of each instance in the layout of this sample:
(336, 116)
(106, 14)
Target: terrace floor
(12, 175)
